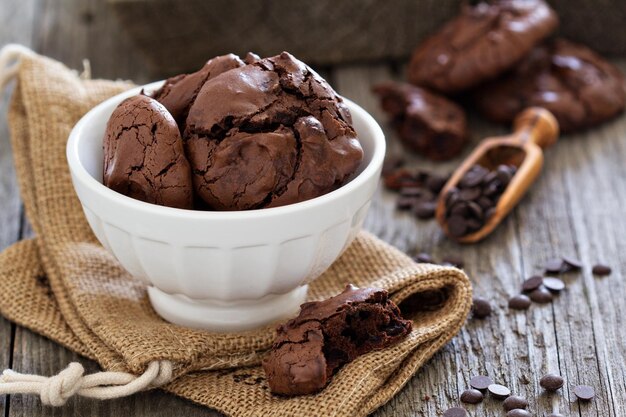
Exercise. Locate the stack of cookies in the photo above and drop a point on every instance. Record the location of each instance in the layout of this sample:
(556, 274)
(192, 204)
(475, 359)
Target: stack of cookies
(500, 56)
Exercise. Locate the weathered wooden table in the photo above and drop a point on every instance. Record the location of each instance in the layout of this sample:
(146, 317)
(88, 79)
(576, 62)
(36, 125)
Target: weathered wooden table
(578, 207)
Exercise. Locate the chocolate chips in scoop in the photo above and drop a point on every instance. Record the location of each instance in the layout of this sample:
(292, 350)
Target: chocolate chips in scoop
(473, 202)
(143, 154)
(427, 123)
(482, 42)
(328, 334)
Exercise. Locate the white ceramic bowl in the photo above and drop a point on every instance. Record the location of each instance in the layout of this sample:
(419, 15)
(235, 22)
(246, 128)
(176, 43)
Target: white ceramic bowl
(222, 271)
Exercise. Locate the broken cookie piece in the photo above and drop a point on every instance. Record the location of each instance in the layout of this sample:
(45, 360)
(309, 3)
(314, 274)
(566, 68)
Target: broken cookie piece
(326, 335)
(426, 122)
(143, 154)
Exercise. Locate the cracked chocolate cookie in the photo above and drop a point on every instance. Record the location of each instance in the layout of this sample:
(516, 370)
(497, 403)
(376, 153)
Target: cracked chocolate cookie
(482, 42)
(579, 87)
(427, 123)
(328, 334)
(143, 154)
(178, 93)
(267, 134)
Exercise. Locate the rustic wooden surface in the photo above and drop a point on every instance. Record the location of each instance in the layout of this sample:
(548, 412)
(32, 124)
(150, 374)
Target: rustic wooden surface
(325, 31)
(576, 208)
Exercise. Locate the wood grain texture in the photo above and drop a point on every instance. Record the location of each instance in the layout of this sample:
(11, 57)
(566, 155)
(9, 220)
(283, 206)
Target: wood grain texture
(16, 20)
(575, 208)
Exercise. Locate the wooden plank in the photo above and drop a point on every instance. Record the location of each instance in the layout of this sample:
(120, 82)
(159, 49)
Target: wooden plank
(16, 17)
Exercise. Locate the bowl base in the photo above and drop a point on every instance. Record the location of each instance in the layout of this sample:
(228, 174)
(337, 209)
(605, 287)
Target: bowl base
(226, 316)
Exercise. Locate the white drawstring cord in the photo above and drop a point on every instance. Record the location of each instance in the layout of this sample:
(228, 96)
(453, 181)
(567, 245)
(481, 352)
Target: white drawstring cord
(56, 390)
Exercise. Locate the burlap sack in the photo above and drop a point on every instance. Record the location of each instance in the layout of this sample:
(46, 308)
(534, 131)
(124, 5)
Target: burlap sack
(65, 286)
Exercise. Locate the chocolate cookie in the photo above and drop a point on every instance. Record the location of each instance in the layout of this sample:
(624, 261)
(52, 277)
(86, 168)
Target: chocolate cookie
(143, 154)
(267, 134)
(579, 87)
(426, 122)
(479, 44)
(328, 334)
(179, 92)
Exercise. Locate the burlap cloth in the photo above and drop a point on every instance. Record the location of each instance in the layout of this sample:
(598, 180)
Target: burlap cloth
(65, 286)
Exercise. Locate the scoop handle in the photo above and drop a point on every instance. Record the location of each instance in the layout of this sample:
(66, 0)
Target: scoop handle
(537, 125)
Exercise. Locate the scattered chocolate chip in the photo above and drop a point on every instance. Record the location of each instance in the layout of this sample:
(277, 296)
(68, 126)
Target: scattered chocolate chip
(551, 382)
(391, 164)
(554, 266)
(399, 178)
(471, 396)
(436, 182)
(572, 263)
(601, 270)
(425, 209)
(519, 302)
(480, 382)
(518, 413)
(453, 260)
(481, 308)
(515, 402)
(405, 203)
(584, 392)
(541, 295)
(455, 412)
(532, 283)
(424, 257)
(553, 284)
(499, 391)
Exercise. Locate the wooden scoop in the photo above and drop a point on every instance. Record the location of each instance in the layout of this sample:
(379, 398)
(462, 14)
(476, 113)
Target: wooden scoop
(534, 129)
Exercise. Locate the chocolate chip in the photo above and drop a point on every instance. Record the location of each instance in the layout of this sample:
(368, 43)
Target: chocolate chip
(398, 179)
(481, 308)
(424, 257)
(584, 392)
(405, 203)
(471, 396)
(499, 391)
(601, 270)
(480, 382)
(475, 210)
(554, 266)
(425, 209)
(435, 183)
(468, 194)
(553, 284)
(518, 413)
(453, 261)
(473, 177)
(551, 382)
(484, 202)
(572, 263)
(519, 302)
(532, 283)
(456, 226)
(391, 164)
(455, 412)
(541, 295)
(515, 402)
